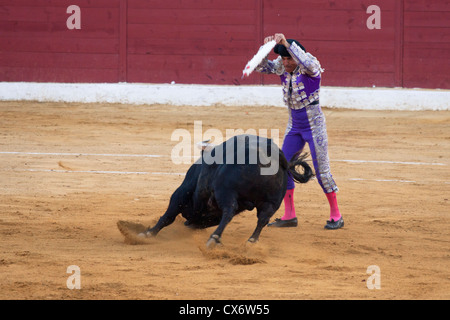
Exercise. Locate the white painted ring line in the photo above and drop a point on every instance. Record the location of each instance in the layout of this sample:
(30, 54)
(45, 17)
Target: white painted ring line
(182, 174)
(73, 154)
(118, 155)
(101, 172)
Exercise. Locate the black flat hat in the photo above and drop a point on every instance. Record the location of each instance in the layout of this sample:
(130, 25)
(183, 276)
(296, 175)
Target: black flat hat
(282, 51)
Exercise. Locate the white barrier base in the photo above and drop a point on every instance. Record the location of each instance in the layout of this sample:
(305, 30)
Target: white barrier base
(206, 95)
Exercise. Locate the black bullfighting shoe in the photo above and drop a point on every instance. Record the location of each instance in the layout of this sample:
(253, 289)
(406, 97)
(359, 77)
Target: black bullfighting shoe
(332, 225)
(284, 223)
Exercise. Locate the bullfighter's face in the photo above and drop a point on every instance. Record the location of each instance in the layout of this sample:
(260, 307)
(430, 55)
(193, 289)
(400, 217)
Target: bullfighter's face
(289, 64)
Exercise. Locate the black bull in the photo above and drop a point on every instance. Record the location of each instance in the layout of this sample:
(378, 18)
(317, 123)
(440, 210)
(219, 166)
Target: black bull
(243, 173)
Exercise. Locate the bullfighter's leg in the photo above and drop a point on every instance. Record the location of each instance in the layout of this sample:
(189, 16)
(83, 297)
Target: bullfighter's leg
(264, 213)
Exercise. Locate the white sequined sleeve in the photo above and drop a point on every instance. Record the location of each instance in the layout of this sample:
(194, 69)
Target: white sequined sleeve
(307, 62)
(271, 66)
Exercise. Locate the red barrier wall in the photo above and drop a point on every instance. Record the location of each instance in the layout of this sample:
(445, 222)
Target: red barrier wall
(210, 41)
(426, 37)
(36, 44)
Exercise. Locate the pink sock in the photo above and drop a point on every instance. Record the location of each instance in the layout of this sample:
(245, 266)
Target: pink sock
(334, 209)
(289, 207)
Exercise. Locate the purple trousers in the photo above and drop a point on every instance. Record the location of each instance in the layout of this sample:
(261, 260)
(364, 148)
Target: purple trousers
(308, 125)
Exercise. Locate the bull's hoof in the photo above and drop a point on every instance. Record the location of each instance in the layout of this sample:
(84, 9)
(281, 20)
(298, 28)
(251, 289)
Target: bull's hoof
(213, 241)
(252, 240)
(146, 234)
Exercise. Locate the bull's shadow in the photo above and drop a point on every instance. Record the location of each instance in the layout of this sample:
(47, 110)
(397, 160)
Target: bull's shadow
(243, 173)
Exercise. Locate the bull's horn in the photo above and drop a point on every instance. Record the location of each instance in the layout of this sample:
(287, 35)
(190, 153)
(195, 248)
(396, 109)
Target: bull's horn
(205, 145)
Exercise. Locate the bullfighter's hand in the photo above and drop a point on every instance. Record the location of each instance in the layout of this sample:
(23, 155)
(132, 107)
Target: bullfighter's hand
(268, 39)
(281, 39)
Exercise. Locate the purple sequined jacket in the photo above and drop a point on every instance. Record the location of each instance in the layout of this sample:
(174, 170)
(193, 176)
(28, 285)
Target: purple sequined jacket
(302, 87)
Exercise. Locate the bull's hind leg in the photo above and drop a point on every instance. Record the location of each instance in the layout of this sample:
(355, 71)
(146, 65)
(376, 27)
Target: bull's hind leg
(264, 213)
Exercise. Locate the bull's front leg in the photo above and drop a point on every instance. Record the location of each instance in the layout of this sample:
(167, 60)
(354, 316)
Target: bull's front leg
(177, 201)
(167, 219)
(264, 213)
(228, 212)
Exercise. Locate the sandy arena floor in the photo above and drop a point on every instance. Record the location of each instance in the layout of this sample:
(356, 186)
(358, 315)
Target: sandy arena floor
(70, 172)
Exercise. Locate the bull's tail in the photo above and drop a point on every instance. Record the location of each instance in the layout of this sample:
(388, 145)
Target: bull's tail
(299, 161)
